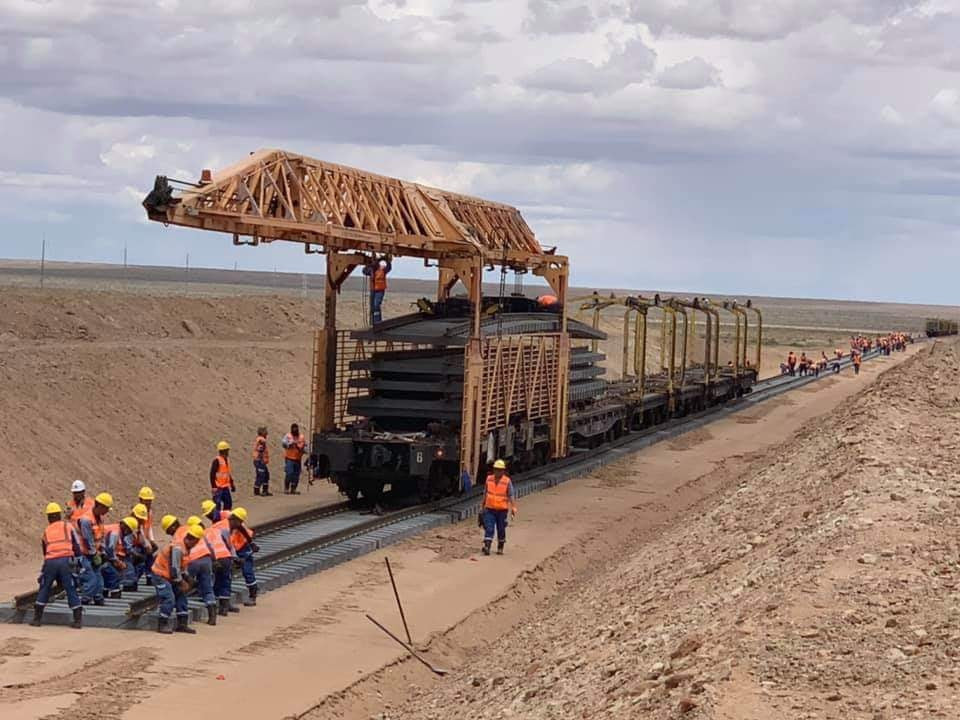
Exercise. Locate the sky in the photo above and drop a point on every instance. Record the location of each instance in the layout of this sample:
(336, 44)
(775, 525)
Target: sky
(806, 148)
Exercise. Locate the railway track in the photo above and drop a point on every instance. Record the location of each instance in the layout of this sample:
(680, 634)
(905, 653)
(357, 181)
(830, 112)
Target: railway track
(313, 540)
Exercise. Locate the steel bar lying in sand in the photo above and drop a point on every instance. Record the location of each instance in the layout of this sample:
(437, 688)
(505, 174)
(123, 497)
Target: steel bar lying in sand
(409, 649)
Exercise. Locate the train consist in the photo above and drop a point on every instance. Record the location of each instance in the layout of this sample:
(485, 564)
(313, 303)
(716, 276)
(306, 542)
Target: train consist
(937, 327)
(425, 401)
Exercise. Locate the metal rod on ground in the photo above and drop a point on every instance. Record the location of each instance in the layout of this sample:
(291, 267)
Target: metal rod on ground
(435, 670)
(397, 596)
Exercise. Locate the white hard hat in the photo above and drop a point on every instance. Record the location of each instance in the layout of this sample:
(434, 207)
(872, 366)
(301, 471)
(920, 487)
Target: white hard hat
(383, 263)
(78, 486)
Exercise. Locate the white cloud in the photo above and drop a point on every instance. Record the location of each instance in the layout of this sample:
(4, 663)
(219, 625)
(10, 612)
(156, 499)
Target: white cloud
(632, 64)
(691, 74)
(891, 115)
(946, 106)
(557, 17)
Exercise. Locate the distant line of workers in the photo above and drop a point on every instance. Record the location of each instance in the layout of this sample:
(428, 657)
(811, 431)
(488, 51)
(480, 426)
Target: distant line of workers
(92, 558)
(859, 344)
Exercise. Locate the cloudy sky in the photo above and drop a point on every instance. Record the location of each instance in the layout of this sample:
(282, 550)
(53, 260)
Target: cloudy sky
(786, 147)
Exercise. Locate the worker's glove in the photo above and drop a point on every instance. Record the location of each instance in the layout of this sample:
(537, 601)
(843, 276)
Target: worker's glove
(480, 519)
(233, 488)
(254, 547)
(184, 586)
(96, 560)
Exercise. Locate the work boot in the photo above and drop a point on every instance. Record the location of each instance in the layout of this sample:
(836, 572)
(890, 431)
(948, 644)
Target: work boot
(183, 627)
(115, 594)
(224, 607)
(486, 547)
(251, 601)
(256, 490)
(266, 491)
(77, 618)
(99, 602)
(163, 626)
(231, 607)
(286, 488)
(37, 615)
(212, 614)
(499, 548)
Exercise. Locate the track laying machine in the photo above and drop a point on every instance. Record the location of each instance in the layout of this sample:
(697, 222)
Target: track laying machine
(426, 400)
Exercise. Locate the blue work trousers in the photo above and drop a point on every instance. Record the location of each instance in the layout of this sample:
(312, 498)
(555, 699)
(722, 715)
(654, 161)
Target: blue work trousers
(201, 570)
(262, 475)
(223, 499)
(376, 303)
(222, 574)
(131, 574)
(494, 519)
(291, 471)
(170, 595)
(110, 575)
(246, 566)
(91, 581)
(58, 569)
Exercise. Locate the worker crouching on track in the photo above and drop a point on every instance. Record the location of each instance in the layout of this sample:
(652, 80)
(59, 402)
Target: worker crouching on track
(169, 570)
(242, 538)
(90, 531)
(146, 546)
(117, 547)
(217, 535)
(60, 553)
(200, 569)
(294, 447)
(261, 464)
(498, 498)
(221, 477)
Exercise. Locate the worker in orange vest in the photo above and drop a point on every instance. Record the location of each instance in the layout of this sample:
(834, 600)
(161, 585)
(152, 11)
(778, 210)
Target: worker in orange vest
(242, 539)
(221, 477)
(79, 503)
(857, 358)
(170, 582)
(377, 271)
(294, 447)
(200, 569)
(261, 462)
(90, 532)
(217, 536)
(117, 540)
(60, 552)
(498, 498)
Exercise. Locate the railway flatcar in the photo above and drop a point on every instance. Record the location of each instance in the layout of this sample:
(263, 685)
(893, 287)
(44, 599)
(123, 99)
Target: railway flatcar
(423, 402)
(938, 327)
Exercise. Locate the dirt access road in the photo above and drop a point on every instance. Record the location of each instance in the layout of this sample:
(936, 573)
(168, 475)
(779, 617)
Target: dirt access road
(310, 643)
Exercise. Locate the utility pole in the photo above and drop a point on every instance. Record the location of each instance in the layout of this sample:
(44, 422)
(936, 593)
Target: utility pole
(43, 257)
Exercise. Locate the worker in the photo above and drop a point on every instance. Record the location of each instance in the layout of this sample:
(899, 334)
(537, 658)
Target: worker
(261, 463)
(144, 540)
(117, 539)
(222, 555)
(172, 527)
(136, 549)
(171, 584)
(792, 362)
(498, 498)
(857, 358)
(294, 447)
(377, 271)
(242, 538)
(221, 477)
(146, 496)
(90, 531)
(200, 569)
(60, 553)
(79, 502)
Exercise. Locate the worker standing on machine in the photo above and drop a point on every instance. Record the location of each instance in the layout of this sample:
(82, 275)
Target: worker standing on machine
(261, 462)
(498, 498)
(294, 447)
(60, 553)
(169, 580)
(221, 477)
(242, 538)
(90, 530)
(377, 271)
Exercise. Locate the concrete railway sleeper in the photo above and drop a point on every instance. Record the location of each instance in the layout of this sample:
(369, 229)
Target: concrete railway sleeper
(311, 541)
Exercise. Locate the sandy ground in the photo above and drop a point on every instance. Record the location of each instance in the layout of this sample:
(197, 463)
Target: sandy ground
(310, 643)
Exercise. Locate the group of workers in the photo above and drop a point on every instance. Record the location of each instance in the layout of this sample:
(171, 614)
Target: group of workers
(859, 344)
(222, 485)
(92, 558)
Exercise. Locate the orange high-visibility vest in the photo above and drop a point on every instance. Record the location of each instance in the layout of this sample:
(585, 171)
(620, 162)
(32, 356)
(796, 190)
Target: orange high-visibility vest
(58, 538)
(238, 540)
(295, 450)
(261, 451)
(178, 536)
(97, 527)
(76, 512)
(223, 472)
(161, 564)
(379, 279)
(213, 535)
(498, 493)
(200, 550)
(114, 528)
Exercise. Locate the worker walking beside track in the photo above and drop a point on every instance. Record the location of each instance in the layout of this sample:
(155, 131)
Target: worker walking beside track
(169, 581)
(242, 538)
(60, 553)
(90, 531)
(294, 447)
(221, 477)
(261, 462)
(498, 498)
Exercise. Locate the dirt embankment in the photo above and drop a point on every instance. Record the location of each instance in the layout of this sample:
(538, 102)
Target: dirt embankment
(820, 583)
(124, 389)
